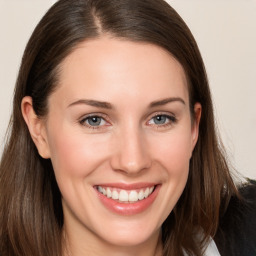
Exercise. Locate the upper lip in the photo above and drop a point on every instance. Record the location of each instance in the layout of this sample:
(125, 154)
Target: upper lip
(126, 186)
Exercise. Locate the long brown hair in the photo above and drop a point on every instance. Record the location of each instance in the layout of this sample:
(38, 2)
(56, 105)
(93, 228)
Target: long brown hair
(31, 217)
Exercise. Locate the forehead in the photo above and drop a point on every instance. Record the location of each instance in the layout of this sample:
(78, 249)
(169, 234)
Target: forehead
(101, 66)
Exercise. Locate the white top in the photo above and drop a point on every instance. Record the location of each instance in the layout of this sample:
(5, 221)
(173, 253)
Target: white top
(211, 249)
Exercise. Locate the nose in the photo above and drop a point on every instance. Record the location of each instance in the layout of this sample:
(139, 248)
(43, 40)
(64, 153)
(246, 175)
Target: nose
(131, 153)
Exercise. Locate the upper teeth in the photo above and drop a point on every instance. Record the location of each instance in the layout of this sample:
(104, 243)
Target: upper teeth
(125, 195)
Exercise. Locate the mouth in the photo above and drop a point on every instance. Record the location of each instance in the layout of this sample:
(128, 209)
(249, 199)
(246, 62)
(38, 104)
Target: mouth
(126, 196)
(127, 199)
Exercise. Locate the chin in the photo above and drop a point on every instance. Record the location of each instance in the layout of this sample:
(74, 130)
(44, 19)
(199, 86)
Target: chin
(130, 237)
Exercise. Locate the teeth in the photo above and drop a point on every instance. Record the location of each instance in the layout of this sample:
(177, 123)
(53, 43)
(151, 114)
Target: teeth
(133, 196)
(124, 195)
(146, 193)
(115, 195)
(141, 195)
(109, 193)
(100, 189)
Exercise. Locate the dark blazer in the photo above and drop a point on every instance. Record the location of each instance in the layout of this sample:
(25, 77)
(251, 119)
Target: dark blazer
(236, 235)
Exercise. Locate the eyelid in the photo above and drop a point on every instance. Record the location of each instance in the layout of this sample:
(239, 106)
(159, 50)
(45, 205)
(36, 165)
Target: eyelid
(162, 113)
(171, 116)
(97, 114)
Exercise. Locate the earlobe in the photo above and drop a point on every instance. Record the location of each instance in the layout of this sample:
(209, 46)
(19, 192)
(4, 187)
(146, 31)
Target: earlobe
(196, 122)
(36, 127)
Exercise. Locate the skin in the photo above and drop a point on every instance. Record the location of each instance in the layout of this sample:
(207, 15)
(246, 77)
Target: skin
(127, 147)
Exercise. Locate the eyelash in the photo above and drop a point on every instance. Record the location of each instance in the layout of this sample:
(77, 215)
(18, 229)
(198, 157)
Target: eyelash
(172, 120)
(91, 116)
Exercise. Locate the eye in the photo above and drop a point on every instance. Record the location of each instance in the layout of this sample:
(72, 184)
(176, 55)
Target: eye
(162, 119)
(93, 121)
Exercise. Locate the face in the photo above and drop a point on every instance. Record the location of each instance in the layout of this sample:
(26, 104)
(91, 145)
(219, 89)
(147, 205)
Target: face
(120, 136)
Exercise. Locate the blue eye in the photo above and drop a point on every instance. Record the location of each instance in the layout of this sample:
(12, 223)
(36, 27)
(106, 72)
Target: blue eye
(162, 120)
(93, 121)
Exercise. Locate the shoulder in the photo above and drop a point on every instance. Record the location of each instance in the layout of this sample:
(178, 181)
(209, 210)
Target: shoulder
(236, 235)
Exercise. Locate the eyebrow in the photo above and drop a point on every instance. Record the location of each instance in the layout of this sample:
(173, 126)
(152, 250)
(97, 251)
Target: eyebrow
(93, 103)
(166, 101)
(107, 105)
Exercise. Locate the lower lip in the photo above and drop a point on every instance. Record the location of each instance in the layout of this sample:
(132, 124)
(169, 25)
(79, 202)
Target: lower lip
(128, 208)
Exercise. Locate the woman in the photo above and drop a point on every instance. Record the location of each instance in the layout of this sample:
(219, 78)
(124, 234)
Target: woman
(114, 141)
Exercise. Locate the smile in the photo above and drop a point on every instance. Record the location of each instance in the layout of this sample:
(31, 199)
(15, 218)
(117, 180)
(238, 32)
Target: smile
(126, 196)
(127, 199)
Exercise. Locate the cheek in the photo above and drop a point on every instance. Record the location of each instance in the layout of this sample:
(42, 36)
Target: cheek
(75, 154)
(173, 157)
(174, 152)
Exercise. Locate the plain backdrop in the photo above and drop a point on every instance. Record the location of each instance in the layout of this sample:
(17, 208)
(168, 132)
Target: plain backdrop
(226, 34)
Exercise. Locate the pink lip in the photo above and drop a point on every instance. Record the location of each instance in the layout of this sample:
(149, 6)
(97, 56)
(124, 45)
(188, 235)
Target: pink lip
(128, 208)
(128, 186)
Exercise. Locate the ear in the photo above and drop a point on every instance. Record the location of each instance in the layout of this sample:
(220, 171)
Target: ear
(36, 127)
(195, 123)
